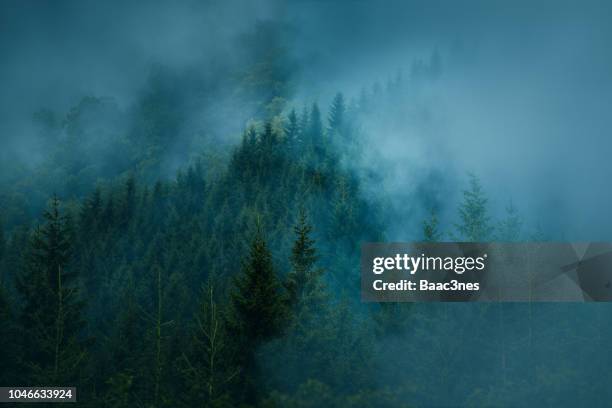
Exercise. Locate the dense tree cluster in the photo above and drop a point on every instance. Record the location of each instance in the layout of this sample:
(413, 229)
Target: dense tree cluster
(236, 283)
(208, 289)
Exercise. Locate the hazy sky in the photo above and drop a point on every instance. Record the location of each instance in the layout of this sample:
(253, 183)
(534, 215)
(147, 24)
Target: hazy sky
(524, 99)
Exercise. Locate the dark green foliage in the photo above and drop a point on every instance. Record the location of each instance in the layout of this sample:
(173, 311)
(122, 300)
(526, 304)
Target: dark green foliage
(303, 282)
(9, 348)
(350, 357)
(314, 132)
(393, 319)
(13, 258)
(2, 241)
(323, 340)
(282, 328)
(208, 365)
(314, 394)
(258, 312)
(50, 318)
(91, 211)
(3, 251)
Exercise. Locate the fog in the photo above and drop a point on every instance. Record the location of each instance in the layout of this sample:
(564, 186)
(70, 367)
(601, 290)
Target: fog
(521, 100)
(518, 93)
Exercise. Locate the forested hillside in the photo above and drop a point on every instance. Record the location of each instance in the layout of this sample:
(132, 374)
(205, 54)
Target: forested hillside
(183, 201)
(234, 283)
(193, 290)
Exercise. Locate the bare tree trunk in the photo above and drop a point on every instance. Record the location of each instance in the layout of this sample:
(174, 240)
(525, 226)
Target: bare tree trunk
(158, 333)
(59, 326)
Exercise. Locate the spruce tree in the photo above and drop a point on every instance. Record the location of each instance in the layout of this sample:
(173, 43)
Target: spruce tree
(292, 129)
(430, 229)
(14, 255)
(158, 326)
(2, 252)
(475, 221)
(124, 342)
(51, 320)
(87, 254)
(336, 113)
(509, 229)
(108, 216)
(258, 312)
(91, 210)
(315, 132)
(257, 301)
(9, 342)
(128, 202)
(304, 123)
(304, 286)
(268, 137)
(307, 301)
(2, 240)
(343, 221)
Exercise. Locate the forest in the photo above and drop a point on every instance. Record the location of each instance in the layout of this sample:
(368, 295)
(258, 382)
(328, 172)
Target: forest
(232, 287)
(197, 245)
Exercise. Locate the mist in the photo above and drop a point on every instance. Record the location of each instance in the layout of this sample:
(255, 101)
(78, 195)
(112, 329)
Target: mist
(516, 93)
(520, 100)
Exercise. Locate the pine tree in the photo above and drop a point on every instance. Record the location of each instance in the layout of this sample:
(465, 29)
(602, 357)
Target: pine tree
(292, 130)
(14, 255)
(88, 253)
(91, 210)
(393, 318)
(336, 114)
(343, 222)
(348, 363)
(107, 218)
(51, 316)
(509, 229)
(315, 129)
(258, 312)
(309, 308)
(304, 122)
(156, 311)
(251, 137)
(128, 203)
(158, 335)
(430, 229)
(304, 286)
(2, 253)
(2, 240)
(123, 337)
(268, 137)
(9, 342)
(475, 221)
